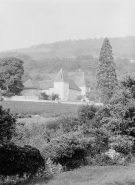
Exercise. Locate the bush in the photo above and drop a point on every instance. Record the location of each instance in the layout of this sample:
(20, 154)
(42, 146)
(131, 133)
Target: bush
(69, 123)
(53, 125)
(101, 160)
(92, 95)
(71, 150)
(19, 160)
(86, 112)
(7, 125)
(43, 96)
(79, 97)
(101, 139)
(65, 123)
(123, 144)
(68, 150)
(54, 96)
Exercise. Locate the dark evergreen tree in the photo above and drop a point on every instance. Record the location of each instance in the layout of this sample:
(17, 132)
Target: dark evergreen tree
(106, 75)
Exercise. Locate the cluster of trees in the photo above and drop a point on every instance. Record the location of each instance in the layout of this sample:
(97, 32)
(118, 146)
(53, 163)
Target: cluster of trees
(16, 160)
(11, 72)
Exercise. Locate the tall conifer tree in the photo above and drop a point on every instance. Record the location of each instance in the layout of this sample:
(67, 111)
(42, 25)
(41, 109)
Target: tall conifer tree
(106, 75)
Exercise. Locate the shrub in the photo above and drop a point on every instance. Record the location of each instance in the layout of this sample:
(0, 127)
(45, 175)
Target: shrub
(7, 125)
(86, 112)
(129, 83)
(101, 117)
(101, 139)
(65, 124)
(68, 150)
(69, 123)
(71, 150)
(43, 96)
(92, 95)
(123, 144)
(51, 168)
(53, 125)
(122, 113)
(54, 96)
(101, 160)
(19, 160)
(79, 97)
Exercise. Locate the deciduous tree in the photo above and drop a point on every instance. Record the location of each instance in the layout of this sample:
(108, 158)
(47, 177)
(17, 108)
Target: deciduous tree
(11, 71)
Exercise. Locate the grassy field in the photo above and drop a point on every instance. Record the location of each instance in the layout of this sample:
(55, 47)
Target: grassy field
(40, 108)
(94, 175)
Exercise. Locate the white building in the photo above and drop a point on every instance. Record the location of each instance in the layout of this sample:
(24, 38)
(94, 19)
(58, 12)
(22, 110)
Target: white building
(66, 88)
(82, 85)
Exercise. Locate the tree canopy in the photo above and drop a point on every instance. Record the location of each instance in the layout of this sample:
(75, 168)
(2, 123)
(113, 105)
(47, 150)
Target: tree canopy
(106, 75)
(11, 71)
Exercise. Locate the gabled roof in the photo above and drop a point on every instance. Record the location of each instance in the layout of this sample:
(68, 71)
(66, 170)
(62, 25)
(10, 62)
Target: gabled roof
(81, 82)
(46, 84)
(61, 77)
(73, 85)
(31, 84)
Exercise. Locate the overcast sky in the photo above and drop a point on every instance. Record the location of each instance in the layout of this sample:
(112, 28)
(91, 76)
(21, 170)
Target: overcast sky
(30, 22)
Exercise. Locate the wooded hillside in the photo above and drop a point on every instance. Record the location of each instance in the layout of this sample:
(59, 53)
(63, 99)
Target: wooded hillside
(74, 55)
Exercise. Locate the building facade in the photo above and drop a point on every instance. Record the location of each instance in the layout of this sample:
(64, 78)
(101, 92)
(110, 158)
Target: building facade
(66, 88)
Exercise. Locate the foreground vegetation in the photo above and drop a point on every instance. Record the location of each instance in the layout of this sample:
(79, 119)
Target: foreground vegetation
(84, 139)
(82, 136)
(70, 142)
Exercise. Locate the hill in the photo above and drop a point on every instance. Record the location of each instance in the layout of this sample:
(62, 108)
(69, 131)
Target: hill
(43, 61)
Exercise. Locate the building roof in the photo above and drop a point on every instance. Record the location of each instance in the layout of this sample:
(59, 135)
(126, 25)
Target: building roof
(73, 85)
(61, 77)
(31, 84)
(81, 82)
(46, 84)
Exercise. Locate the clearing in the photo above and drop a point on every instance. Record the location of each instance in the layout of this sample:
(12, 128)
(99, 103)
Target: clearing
(40, 108)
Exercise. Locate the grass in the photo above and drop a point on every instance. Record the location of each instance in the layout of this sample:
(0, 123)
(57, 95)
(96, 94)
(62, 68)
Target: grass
(40, 108)
(92, 175)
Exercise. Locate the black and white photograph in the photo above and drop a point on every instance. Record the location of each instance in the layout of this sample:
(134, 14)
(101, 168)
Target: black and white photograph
(67, 92)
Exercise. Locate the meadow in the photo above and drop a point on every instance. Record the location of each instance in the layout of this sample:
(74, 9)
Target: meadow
(92, 175)
(39, 108)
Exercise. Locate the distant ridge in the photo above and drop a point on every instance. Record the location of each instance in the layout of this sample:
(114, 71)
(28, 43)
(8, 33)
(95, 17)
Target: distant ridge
(116, 42)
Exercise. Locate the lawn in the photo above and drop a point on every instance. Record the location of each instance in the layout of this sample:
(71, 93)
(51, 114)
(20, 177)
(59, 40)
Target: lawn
(40, 108)
(93, 175)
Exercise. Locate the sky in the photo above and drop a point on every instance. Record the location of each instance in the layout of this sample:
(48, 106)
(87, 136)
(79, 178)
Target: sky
(24, 23)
